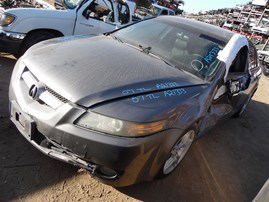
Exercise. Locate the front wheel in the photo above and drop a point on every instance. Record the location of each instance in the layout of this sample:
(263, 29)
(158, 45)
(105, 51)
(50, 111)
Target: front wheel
(178, 152)
(34, 38)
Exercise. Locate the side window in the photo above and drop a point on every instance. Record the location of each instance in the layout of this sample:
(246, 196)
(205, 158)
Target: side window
(240, 62)
(124, 13)
(171, 13)
(164, 12)
(98, 10)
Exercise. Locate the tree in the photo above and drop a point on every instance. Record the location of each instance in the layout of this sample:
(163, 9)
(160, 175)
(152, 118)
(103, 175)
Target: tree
(180, 2)
(143, 3)
(12, 3)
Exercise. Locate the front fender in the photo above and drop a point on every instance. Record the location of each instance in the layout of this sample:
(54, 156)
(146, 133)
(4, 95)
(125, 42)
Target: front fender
(28, 20)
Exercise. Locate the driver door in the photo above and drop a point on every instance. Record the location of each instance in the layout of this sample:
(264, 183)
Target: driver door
(242, 77)
(232, 96)
(92, 18)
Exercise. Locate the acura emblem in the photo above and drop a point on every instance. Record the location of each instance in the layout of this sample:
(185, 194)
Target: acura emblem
(36, 90)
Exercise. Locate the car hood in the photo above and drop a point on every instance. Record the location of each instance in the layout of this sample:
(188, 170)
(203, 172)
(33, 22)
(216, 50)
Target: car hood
(90, 70)
(20, 13)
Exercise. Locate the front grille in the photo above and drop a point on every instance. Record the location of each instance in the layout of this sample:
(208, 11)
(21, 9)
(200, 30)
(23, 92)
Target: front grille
(56, 95)
(48, 96)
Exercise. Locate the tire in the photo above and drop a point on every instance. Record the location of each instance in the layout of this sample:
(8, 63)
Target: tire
(177, 153)
(34, 38)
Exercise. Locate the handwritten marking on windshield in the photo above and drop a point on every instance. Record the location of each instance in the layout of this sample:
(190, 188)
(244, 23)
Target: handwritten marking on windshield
(197, 65)
(212, 55)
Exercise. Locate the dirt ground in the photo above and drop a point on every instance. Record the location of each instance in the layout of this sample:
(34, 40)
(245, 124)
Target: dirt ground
(229, 163)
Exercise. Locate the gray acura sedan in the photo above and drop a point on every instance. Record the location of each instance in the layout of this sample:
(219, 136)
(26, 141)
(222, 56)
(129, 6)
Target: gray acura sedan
(127, 105)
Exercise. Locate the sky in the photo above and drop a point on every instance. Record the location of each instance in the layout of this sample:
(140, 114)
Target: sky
(194, 6)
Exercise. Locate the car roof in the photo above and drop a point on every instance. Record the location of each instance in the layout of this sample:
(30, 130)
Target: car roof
(162, 7)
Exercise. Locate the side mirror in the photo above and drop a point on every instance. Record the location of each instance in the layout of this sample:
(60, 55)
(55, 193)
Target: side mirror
(237, 82)
(235, 87)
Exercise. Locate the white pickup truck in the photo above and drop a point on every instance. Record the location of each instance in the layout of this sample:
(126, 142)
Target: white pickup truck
(21, 28)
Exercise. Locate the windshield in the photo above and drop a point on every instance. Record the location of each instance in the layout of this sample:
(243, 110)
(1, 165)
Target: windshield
(71, 4)
(185, 49)
(156, 11)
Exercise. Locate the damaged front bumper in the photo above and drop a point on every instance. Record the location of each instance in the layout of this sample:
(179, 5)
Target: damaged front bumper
(116, 161)
(27, 127)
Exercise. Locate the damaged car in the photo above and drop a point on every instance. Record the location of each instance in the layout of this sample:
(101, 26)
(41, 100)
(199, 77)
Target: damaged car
(127, 106)
(264, 61)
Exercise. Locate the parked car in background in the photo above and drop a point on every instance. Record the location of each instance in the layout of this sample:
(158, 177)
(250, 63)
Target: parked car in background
(228, 24)
(244, 27)
(262, 28)
(161, 10)
(21, 28)
(264, 61)
(263, 52)
(154, 11)
(236, 25)
(127, 106)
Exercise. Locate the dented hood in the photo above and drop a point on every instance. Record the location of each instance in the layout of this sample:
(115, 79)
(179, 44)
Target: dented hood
(90, 70)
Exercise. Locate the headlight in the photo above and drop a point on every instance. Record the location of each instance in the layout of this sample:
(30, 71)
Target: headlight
(7, 19)
(98, 122)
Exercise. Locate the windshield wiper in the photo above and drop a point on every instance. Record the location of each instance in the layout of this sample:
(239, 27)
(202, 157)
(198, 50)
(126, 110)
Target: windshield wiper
(145, 49)
(156, 56)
